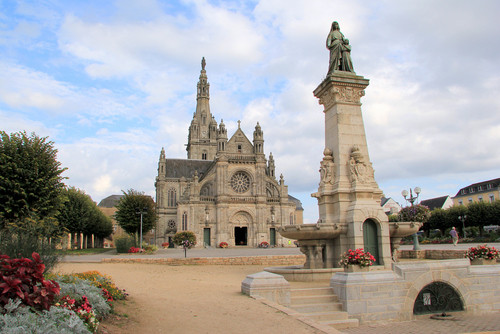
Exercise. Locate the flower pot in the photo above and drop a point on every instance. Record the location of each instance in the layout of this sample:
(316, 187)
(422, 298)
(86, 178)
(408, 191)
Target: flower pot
(355, 268)
(481, 261)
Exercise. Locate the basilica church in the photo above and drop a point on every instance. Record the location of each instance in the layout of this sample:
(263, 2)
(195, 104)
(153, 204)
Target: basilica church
(226, 190)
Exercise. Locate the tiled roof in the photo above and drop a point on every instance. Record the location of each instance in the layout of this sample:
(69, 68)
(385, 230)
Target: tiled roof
(177, 168)
(479, 187)
(298, 203)
(434, 203)
(110, 201)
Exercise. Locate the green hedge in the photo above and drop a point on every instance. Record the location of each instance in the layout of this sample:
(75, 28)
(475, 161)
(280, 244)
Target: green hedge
(123, 244)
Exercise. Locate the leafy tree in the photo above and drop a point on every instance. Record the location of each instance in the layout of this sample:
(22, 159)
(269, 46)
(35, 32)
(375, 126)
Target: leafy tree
(30, 177)
(452, 215)
(437, 220)
(127, 212)
(80, 214)
(186, 239)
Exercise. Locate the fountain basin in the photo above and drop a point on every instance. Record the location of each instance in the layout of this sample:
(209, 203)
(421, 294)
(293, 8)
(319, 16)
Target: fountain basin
(403, 229)
(301, 274)
(310, 231)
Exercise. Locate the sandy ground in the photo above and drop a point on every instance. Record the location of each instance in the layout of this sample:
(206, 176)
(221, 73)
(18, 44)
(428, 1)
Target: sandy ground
(189, 299)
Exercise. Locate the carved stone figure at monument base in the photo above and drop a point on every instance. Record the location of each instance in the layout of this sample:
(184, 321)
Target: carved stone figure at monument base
(340, 50)
(359, 170)
(327, 170)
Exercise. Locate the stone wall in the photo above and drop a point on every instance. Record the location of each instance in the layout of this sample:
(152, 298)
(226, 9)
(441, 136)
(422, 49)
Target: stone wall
(433, 254)
(381, 296)
(274, 260)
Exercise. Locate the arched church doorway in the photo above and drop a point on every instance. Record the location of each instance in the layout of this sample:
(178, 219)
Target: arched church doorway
(241, 236)
(437, 297)
(370, 239)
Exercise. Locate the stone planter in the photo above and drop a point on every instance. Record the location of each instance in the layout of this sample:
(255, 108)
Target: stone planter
(481, 261)
(356, 268)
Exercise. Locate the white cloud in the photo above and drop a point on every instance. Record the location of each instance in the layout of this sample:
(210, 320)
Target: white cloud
(21, 87)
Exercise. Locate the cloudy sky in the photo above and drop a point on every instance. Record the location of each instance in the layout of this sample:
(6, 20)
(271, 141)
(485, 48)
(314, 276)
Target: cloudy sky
(112, 82)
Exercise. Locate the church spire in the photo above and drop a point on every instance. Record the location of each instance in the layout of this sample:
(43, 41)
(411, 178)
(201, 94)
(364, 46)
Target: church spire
(202, 141)
(203, 85)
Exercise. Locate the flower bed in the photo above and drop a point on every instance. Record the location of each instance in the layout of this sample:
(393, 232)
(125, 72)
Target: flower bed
(356, 257)
(60, 304)
(223, 244)
(482, 252)
(264, 244)
(135, 250)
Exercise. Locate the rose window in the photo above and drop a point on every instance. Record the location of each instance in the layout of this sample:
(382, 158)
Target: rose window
(240, 182)
(171, 225)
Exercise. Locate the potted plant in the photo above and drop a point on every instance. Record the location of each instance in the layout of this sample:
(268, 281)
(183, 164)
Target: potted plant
(165, 245)
(356, 260)
(223, 244)
(482, 254)
(264, 244)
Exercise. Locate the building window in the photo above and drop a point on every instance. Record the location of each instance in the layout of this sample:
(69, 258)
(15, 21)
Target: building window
(480, 198)
(184, 221)
(171, 226)
(489, 186)
(204, 156)
(292, 219)
(492, 198)
(463, 191)
(470, 199)
(239, 148)
(240, 182)
(171, 197)
(471, 190)
(460, 202)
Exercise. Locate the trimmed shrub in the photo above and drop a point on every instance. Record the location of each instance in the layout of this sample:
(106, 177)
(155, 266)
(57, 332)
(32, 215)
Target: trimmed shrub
(123, 244)
(185, 239)
(150, 249)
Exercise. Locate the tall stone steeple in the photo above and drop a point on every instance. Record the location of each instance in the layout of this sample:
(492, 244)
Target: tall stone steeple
(202, 139)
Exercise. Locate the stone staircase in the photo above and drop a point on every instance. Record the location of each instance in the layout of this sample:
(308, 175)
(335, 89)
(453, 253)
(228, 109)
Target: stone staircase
(322, 306)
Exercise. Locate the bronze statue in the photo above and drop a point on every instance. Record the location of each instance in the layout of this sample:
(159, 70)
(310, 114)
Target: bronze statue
(340, 50)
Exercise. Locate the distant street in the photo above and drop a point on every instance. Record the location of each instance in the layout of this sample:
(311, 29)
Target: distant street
(233, 252)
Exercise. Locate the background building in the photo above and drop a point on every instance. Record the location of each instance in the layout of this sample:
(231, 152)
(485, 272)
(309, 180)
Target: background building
(390, 206)
(443, 202)
(108, 207)
(487, 191)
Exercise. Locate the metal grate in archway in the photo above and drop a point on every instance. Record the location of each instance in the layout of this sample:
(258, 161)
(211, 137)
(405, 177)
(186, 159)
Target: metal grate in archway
(437, 297)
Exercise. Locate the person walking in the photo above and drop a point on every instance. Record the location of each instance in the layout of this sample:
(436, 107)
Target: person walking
(454, 236)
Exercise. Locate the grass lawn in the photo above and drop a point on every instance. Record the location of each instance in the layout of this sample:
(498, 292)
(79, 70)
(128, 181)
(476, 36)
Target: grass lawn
(85, 251)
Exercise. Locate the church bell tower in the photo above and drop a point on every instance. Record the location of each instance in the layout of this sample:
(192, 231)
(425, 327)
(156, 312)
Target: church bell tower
(202, 138)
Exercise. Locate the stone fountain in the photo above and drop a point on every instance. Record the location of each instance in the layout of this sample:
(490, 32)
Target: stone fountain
(350, 215)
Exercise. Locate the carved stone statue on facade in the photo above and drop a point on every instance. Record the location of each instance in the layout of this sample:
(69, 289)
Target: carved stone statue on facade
(340, 50)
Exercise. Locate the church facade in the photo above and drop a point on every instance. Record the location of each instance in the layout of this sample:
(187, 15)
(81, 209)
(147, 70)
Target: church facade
(226, 190)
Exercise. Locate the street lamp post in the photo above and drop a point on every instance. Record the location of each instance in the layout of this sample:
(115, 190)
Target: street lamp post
(141, 212)
(462, 219)
(412, 199)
